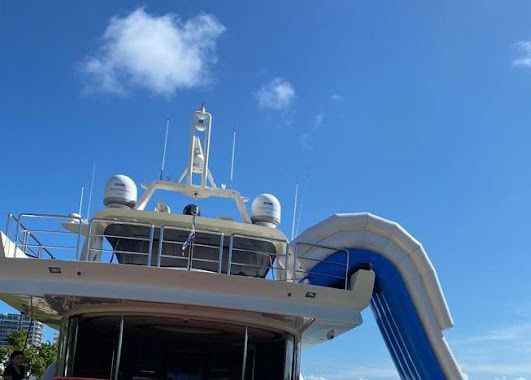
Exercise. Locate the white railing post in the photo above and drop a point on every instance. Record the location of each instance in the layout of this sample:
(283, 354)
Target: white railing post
(286, 263)
(89, 240)
(25, 242)
(161, 241)
(78, 239)
(295, 264)
(220, 261)
(16, 237)
(150, 249)
(229, 264)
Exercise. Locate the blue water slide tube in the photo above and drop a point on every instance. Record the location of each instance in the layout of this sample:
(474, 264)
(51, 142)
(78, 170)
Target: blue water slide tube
(407, 301)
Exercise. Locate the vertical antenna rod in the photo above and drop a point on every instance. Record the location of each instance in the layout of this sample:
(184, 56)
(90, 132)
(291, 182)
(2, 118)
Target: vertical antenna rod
(294, 210)
(303, 195)
(232, 157)
(81, 200)
(91, 188)
(164, 150)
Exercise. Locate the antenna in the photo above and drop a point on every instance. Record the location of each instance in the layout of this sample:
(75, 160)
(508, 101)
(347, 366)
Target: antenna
(294, 210)
(304, 190)
(90, 193)
(232, 157)
(81, 200)
(164, 150)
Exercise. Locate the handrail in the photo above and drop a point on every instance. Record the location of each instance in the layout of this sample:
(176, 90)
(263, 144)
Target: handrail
(321, 246)
(41, 246)
(160, 246)
(90, 237)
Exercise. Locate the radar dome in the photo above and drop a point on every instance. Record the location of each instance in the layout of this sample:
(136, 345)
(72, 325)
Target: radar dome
(265, 211)
(120, 191)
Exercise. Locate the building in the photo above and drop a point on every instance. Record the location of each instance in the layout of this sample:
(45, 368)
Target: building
(15, 322)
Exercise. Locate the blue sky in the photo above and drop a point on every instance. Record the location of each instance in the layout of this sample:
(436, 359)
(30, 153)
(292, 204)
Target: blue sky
(415, 111)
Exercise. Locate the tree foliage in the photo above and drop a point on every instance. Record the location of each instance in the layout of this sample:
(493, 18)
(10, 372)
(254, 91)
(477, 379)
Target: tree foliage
(37, 358)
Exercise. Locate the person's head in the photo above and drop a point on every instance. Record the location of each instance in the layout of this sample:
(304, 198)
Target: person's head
(17, 357)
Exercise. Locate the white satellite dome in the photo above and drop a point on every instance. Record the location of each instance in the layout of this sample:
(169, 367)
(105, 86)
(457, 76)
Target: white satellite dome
(120, 191)
(265, 211)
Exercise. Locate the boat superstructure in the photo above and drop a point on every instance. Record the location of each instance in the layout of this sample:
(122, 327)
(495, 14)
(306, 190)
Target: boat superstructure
(140, 294)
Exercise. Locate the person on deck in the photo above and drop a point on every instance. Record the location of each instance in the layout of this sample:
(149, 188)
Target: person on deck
(15, 369)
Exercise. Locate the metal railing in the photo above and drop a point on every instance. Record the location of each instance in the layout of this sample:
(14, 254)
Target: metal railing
(123, 242)
(25, 239)
(341, 267)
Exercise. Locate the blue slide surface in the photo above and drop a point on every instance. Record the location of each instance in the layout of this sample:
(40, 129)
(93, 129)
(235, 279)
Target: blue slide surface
(395, 313)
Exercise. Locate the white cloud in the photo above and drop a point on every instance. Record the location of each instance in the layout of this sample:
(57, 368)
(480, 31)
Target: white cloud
(306, 137)
(508, 333)
(501, 353)
(508, 369)
(159, 53)
(318, 120)
(277, 94)
(355, 372)
(337, 97)
(524, 48)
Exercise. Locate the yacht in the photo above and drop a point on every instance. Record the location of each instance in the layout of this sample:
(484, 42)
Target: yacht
(141, 292)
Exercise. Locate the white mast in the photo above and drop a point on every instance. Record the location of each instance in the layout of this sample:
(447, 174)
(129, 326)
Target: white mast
(81, 201)
(294, 210)
(164, 150)
(91, 188)
(304, 190)
(198, 158)
(232, 157)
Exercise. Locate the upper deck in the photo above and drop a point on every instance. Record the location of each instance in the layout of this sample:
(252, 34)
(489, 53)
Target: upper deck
(52, 264)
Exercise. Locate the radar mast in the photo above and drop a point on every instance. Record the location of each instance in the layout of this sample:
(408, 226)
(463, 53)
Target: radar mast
(200, 130)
